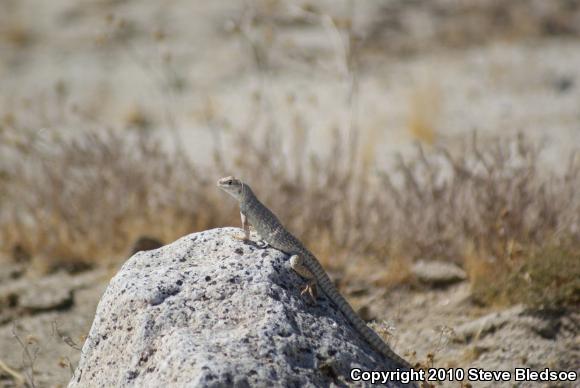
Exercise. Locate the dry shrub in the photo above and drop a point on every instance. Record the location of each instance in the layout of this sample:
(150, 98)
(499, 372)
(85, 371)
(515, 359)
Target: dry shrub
(325, 199)
(548, 278)
(397, 272)
(494, 196)
(512, 224)
(87, 197)
(492, 199)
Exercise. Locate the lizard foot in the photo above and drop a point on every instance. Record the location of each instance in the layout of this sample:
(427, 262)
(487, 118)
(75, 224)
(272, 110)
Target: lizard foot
(297, 264)
(243, 238)
(262, 244)
(310, 288)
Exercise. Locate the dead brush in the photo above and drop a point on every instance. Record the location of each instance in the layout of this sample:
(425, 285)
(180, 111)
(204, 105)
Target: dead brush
(548, 278)
(84, 198)
(432, 205)
(69, 200)
(493, 198)
(495, 210)
(323, 199)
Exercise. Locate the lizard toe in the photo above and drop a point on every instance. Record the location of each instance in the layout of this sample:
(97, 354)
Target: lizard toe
(262, 244)
(310, 288)
(241, 238)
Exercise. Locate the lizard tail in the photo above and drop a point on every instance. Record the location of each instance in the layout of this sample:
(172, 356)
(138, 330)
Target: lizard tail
(366, 332)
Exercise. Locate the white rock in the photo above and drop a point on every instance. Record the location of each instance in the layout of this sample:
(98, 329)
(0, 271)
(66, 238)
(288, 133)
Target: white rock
(438, 273)
(209, 310)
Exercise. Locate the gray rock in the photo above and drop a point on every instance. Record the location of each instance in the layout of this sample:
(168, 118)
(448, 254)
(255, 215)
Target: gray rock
(544, 327)
(487, 324)
(45, 295)
(438, 273)
(209, 310)
(27, 296)
(10, 271)
(145, 243)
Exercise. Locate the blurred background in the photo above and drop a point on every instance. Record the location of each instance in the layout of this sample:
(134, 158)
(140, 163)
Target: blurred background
(398, 139)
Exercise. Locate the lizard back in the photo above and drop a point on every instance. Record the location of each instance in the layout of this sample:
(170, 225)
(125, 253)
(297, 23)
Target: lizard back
(268, 225)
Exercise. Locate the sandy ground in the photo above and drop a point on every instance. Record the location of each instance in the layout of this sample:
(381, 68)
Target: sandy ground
(437, 327)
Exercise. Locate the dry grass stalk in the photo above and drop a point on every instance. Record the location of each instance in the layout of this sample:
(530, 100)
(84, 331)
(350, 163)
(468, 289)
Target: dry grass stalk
(84, 198)
(18, 378)
(30, 352)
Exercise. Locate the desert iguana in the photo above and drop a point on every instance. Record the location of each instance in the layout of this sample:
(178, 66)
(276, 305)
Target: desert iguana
(270, 229)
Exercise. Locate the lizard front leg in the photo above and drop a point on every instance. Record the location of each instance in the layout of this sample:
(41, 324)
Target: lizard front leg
(246, 237)
(297, 264)
(245, 227)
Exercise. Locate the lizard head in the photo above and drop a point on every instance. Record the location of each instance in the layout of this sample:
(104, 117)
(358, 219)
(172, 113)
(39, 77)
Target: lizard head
(232, 186)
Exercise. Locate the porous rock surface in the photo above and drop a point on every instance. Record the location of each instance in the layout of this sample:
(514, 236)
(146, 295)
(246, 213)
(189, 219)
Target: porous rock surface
(209, 310)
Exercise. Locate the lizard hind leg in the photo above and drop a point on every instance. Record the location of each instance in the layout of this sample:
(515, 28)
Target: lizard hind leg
(297, 264)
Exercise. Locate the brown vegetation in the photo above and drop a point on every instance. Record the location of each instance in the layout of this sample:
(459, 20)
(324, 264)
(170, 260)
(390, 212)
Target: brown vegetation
(86, 198)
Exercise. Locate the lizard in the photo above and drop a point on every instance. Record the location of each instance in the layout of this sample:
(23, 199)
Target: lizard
(270, 229)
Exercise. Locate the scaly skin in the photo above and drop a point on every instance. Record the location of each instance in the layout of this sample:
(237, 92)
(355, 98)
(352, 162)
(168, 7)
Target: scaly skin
(302, 261)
